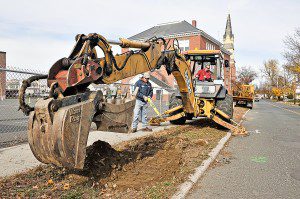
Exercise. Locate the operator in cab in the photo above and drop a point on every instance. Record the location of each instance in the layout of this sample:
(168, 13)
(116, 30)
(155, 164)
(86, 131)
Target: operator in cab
(144, 91)
(204, 74)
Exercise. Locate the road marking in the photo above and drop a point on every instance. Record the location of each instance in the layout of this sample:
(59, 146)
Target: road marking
(259, 159)
(255, 131)
(284, 108)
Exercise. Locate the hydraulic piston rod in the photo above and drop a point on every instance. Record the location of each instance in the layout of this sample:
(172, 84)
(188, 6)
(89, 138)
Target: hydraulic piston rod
(126, 43)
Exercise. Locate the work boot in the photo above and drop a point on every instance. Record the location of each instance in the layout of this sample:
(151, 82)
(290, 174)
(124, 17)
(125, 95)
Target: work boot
(146, 129)
(133, 131)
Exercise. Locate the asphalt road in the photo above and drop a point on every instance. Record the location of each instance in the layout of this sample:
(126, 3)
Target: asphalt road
(265, 164)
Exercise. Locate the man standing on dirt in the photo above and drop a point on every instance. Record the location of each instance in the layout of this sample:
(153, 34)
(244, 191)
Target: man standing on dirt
(144, 92)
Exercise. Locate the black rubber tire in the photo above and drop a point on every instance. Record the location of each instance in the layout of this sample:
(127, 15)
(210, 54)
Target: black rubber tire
(249, 105)
(226, 105)
(174, 101)
(189, 116)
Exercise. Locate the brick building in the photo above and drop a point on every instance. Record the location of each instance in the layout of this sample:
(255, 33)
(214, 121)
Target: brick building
(190, 37)
(2, 75)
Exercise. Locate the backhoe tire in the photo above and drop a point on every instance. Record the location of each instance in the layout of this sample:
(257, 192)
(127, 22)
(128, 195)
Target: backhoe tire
(249, 105)
(174, 101)
(189, 116)
(226, 105)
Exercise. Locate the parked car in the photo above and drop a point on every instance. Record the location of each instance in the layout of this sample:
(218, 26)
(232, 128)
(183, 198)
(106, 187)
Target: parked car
(256, 99)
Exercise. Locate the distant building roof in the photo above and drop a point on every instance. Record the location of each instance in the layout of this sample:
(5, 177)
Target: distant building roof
(173, 30)
(166, 29)
(2, 51)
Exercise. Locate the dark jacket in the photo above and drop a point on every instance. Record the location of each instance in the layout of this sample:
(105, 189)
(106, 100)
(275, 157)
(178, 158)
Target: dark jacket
(145, 89)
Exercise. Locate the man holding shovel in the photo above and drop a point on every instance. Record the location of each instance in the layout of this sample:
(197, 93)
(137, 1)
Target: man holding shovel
(143, 90)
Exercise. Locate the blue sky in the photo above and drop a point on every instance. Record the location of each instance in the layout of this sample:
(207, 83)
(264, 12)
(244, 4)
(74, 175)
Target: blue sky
(36, 33)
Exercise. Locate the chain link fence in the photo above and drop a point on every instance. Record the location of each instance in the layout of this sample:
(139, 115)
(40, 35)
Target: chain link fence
(13, 123)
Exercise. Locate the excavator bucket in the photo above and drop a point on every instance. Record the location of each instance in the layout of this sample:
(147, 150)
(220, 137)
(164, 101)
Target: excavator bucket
(115, 117)
(58, 129)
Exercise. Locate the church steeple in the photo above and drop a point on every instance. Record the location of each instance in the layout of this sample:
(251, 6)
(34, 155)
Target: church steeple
(228, 29)
(228, 38)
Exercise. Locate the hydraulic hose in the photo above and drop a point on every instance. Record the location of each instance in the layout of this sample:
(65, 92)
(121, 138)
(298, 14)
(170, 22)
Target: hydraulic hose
(25, 108)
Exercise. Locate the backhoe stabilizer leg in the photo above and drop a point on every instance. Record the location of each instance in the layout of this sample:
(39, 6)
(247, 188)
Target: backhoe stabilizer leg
(235, 128)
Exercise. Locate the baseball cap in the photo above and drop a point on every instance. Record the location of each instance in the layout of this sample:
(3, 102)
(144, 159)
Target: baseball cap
(146, 75)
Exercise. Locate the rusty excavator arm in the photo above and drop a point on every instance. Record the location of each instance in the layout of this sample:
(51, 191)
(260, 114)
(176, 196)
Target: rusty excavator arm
(59, 125)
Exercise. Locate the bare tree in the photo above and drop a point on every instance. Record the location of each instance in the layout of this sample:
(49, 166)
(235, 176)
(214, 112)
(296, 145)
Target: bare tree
(292, 53)
(246, 75)
(292, 57)
(271, 71)
(264, 89)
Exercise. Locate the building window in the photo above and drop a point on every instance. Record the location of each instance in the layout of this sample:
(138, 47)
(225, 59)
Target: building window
(184, 45)
(210, 46)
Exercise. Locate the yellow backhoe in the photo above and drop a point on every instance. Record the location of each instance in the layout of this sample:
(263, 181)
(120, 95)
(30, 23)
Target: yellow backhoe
(59, 124)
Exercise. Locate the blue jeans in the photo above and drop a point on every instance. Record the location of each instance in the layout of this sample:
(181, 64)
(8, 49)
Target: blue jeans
(140, 108)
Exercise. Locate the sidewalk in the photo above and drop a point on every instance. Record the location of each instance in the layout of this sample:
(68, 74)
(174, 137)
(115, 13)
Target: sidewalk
(20, 158)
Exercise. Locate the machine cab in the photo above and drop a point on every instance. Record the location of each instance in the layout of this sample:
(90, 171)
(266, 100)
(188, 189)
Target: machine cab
(199, 59)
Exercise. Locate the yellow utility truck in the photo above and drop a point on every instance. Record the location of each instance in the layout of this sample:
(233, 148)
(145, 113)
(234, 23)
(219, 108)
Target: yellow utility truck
(243, 95)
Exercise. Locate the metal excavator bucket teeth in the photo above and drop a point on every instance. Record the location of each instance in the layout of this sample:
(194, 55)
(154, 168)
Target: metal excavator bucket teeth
(58, 129)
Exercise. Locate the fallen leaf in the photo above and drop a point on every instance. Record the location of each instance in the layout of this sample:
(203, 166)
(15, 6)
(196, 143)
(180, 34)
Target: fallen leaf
(66, 186)
(50, 182)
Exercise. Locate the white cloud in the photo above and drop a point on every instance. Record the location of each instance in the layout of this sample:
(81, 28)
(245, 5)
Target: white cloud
(27, 53)
(36, 33)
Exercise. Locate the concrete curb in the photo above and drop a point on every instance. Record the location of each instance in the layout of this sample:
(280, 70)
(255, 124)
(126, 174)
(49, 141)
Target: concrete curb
(185, 187)
(199, 171)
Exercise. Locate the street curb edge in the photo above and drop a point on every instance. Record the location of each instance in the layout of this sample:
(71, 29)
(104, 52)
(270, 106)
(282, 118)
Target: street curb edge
(185, 187)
